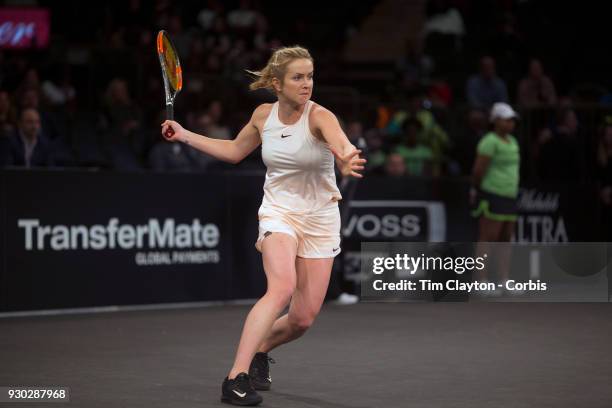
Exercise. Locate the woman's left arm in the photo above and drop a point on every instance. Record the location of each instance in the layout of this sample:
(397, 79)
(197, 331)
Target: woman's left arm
(326, 126)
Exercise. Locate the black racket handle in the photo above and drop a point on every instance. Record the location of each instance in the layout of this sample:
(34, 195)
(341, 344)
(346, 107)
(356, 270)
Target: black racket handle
(169, 116)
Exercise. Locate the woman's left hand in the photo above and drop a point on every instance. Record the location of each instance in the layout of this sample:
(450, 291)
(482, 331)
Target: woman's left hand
(350, 163)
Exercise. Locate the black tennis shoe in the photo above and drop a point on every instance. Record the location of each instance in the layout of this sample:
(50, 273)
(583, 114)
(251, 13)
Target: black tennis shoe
(259, 371)
(239, 391)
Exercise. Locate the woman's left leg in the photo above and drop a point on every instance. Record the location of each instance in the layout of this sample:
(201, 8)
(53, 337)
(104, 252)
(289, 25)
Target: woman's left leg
(311, 286)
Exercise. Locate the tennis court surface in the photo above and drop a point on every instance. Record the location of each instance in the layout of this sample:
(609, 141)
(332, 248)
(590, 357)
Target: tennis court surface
(366, 355)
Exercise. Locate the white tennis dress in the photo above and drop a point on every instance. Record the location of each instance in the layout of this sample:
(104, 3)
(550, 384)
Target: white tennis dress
(300, 191)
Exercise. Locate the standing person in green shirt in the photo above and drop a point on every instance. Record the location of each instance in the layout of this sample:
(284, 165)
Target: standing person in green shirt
(495, 182)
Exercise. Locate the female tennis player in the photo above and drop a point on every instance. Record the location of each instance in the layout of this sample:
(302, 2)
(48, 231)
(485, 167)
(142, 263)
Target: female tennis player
(299, 220)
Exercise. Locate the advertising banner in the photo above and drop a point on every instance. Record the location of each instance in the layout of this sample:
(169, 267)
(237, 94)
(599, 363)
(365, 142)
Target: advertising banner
(24, 27)
(79, 239)
(76, 239)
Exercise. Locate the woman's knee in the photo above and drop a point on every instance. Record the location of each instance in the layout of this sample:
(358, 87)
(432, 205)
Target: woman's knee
(281, 294)
(300, 322)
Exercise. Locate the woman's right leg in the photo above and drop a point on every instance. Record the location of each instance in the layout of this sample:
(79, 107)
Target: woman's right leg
(278, 253)
(312, 282)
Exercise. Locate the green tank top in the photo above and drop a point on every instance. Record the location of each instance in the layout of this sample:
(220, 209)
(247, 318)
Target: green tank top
(502, 175)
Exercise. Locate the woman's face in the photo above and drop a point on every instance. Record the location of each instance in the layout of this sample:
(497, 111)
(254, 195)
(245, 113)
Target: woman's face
(504, 126)
(298, 81)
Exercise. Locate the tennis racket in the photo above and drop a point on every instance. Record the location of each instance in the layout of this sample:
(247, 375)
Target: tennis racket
(171, 72)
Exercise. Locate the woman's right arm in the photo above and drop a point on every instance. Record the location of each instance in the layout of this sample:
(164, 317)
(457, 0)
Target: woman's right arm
(231, 151)
(485, 150)
(481, 164)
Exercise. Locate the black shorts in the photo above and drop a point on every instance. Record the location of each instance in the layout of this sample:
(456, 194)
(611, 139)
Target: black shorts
(495, 207)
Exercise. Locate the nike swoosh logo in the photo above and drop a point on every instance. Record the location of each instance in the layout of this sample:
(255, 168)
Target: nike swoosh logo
(335, 249)
(284, 136)
(269, 378)
(240, 394)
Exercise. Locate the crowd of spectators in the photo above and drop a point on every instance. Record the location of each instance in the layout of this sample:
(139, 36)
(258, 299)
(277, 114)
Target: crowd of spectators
(55, 113)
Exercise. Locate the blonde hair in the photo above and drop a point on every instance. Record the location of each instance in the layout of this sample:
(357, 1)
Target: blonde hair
(277, 67)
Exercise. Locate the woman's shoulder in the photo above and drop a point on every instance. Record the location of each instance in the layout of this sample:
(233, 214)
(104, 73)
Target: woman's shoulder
(260, 116)
(261, 113)
(263, 110)
(491, 137)
(317, 108)
(487, 143)
(494, 138)
(319, 112)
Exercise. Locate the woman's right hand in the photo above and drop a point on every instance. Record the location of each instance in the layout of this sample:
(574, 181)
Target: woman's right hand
(173, 132)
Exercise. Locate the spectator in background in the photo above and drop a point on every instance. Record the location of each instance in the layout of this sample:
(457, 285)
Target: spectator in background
(536, 89)
(51, 129)
(29, 147)
(29, 98)
(486, 88)
(395, 166)
(417, 156)
(562, 153)
(431, 133)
